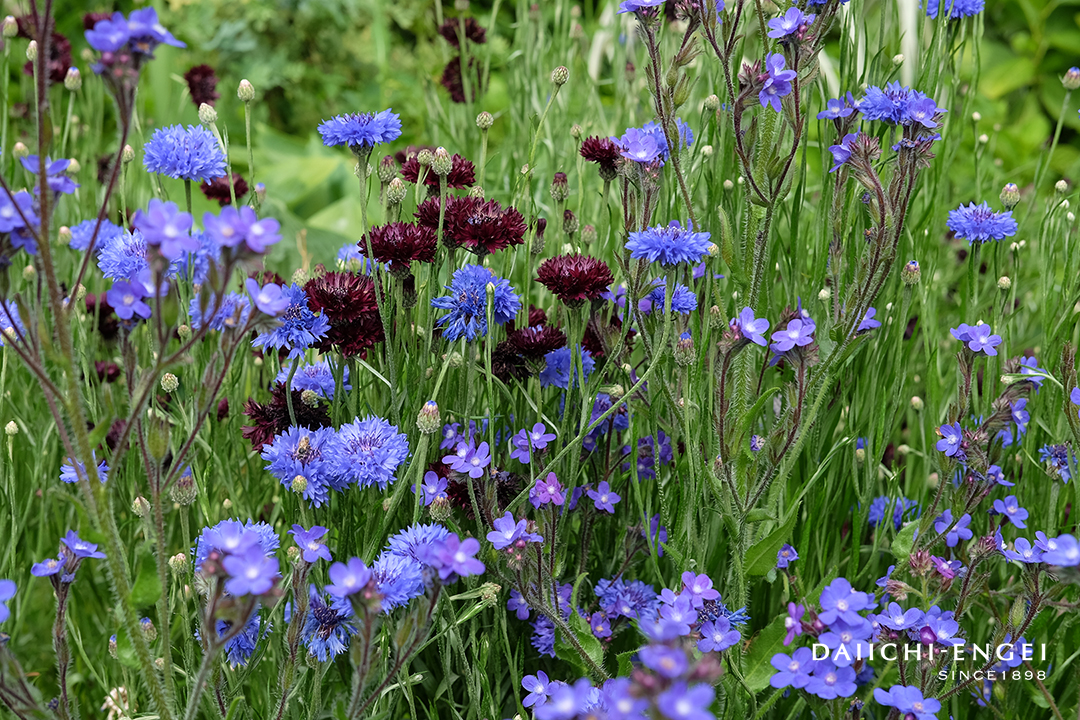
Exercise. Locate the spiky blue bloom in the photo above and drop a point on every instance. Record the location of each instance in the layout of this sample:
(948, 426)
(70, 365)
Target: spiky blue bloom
(370, 452)
(1057, 460)
(122, 256)
(399, 579)
(895, 105)
(467, 303)
(184, 154)
(315, 376)
(72, 472)
(978, 223)
(361, 130)
(415, 541)
(234, 311)
(557, 368)
(631, 599)
(900, 508)
(299, 327)
(956, 8)
(683, 300)
(669, 245)
(81, 234)
(302, 453)
(231, 535)
(327, 627)
(240, 649)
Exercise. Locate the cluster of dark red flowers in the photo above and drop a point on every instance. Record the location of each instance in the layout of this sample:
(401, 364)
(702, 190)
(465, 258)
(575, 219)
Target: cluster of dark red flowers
(348, 302)
(400, 244)
(218, 189)
(604, 152)
(462, 173)
(202, 85)
(480, 227)
(575, 278)
(452, 75)
(272, 418)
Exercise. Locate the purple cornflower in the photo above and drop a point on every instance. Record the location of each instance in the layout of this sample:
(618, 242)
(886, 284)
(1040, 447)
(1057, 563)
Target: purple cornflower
(785, 556)
(793, 622)
(839, 600)
(979, 224)
(777, 83)
(268, 298)
(310, 542)
(458, 557)
(842, 152)
(797, 333)
(299, 327)
(837, 108)
(433, 488)
(508, 531)
(896, 618)
(792, 22)
(717, 635)
(75, 470)
(603, 498)
(957, 9)
(751, 328)
(348, 578)
(164, 225)
(361, 131)
(80, 548)
(638, 145)
(667, 661)
(669, 245)
(952, 437)
(467, 303)
(539, 688)
(1063, 551)
(548, 490)
(957, 532)
(699, 588)
(792, 670)
(1010, 508)
(192, 154)
(250, 572)
(868, 322)
(908, 699)
(126, 300)
(7, 591)
(891, 104)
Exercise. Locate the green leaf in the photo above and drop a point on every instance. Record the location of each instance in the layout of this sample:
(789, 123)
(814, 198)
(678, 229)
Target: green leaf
(566, 652)
(763, 646)
(125, 651)
(761, 557)
(625, 666)
(147, 588)
(905, 539)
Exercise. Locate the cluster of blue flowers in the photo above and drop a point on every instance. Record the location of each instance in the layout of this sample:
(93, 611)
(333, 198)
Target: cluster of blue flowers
(467, 303)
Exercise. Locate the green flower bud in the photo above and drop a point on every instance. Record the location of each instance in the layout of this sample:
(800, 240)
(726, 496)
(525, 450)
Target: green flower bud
(485, 120)
(207, 114)
(560, 76)
(428, 419)
(73, 80)
(245, 91)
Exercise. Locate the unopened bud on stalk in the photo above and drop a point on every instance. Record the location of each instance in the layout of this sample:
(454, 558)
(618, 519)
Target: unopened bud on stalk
(207, 114)
(485, 120)
(440, 510)
(127, 155)
(728, 185)
(917, 403)
(456, 360)
(684, 351)
(293, 554)
(711, 103)
(140, 506)
(11, 27)
(476, 192)
(489, 593)
(425, 157)
(588, 234)
(245, 91)
(395, 192)
(226, 504)
(20, 150)
(1010, 195)
(387, 169)
(260, 191)
(860, 455)
(178, 563)
(73, 167)
(1004, 282)
(428, 420)
(63, 235)
(898, 60)
(560, 188)
(184, 491)
(80, 292)
(983, 139)
(1061, 187)
(560, 75)
(31, 51)
(441, 163)
(570, 222)
(169, 382)
(184, 331)
(911, 273)
(29, 273)
(112, 647)
(148, 630)
(1071, 80)
(11, 429)
(824, 294)
(576, 132)
(707, 150)
(976, 116)
(73, 80)
(310, 398)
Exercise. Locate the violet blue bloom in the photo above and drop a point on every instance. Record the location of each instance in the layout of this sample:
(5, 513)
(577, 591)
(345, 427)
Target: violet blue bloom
(793, 622)
(699, 588)
(683, 702)
(792, 670)
(750, 327)
(507, 532)
(1063, 551)
(164, 225)
(348, 578)
(896, 618)
(951, 440)
(458, 557)
(538, 686)
(785, 556)
(840, 600)
(957, 532)
(638, 145)
(1024, 552)
(548, 490)
(432, 488)
(717, 635)
(667, 661)
(829, 681)
(603, 498)
(310, 542)
(251, 572)
(842, 152)
(797, 333)
(790, 23)
(868, 321)
(1010, 508)
(835, 109)
(778, 82)
(600, 625)
(909, 701)
(267, 298)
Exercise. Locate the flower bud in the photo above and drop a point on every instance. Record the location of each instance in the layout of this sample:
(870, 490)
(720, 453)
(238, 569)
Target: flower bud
(112, 647)
(11, 27)
(1004, 282)
(20, 150)
(684, 351)
(898, 60)
(707, 150)
(293, 554)
(911, 273)
(395, 192)
(456, 360)
(440, 510)
(127, 155)
(227, 504)
(428, 419)
(917, 403)
(207, 114)
(178, 563)
(1061, 187)
(184, 332)
(310, 398)
(570, 222)
(260, 191)
(560, 75)
(73, 167)
(1010, 195)
(983, 139)
(12, 428)
(485, 120)
(1071, 80)
(920, 562)
(860, 455)
(169, 382)
(184, 491)
(560, 188)
(73, 80)
(80, 292)
(976, 116)
(489, 593)
(442, 163)
(425, 157)
(387, 169)
(712, 103)
(588, 234)
(140, 506)
(29, 273)
(31, 51)
(148, 630)
(824, 294)
(245, 91)
(576, 131)
(728, 185)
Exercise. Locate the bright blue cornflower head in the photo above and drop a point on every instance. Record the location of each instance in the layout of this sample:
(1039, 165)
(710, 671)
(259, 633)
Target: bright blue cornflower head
(978, 338)
(956, 8)
(785, 556)
(240, 649)
(316, 376)
(299, 327)
(467, 303)
(793, 22)
(979, 224)
(327, 627)
(1056, 461)
(669, 245)
(73, 471)
(361, 131)
(192, 154)
(417, 541)
(370, 451)
(895, 104)
(55, 171)
(164, 225)
(251, 572)
(683, 299)
(639, 145)
(557, 364)
(122, 256)
(299, 454)
(837, 108)
(750, 328)
(883, 503)
(908, 699)
(842, 153)
(310, 542)
(777, 82)
(398, 578)
(234, 312)
(7, 591)
(629, 6)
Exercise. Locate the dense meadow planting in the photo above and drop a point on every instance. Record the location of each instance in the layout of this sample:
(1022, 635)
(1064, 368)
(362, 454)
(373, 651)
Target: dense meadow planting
(677, 360)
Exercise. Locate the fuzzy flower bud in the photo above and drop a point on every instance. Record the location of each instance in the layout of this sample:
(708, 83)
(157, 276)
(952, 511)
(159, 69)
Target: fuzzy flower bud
(387, 169)
(12, 428)
(684, 351)
(184, 331)
(1010, 195)
(299, 484)
(29, 273)
(576, 131)
(80, 292)
(860, 455)
(1071, 79)
(140, 506)
(824, 294)
(245, 91)
(310, 398)
(112, 647)
(1061, 187)
(207, 114)
(712, 103)
(489, 593)
(570, 222)
(73, 80)
(728, 185)
(63, 235)
(169, 382)
(560, 75)
(11, 27)
(560, 188)
(1004, 282)
(148, 630)
(184, 491)
(898, 60)
(917, 403)
(428, 420)
(440, 510)
(442, 163)
(293, 554)
(178, 563)
(31, 51)
(911, 273)
(476, 192)
(127, 155)
(485, 120)
(707, 150)
(395, 192)
(425, 157)
(588, 234)
(73, 167)
(20, 150)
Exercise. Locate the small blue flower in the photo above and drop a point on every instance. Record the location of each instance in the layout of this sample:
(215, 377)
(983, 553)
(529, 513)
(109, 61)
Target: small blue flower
(838, 108)
(842, 152)
(777, 82)
(669, 245)
(164, 225)
(791, 23)
(467, 303)
(957, 8)
(638, 145)
(361, 130)
(370, 451)
(557, 368)
(979, 224)
(73, 471)
(234, 311)
(315, 376)
(299, 327)
(7, 591)
(56, 179)
(193, 154)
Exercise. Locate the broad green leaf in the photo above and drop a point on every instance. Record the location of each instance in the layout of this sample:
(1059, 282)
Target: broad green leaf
(761, 557)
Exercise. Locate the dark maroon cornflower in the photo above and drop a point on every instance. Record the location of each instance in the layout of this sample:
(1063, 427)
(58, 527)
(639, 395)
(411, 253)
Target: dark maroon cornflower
(202, 84)
(462, 173)
(541, 226)
(104, 168)
(400, 244)
(108, 326)
(106, 371)
(602, 151)
(498, 489)
(402, 156)
(218, 189)
(223, 409)
(536, 341)
(480, 227)
(473, 31)
(349, 303)
(575, 278)
(537, 316)
(451, 79)
(601, 333)
(59, 51)
(272, 418)
(507, 364)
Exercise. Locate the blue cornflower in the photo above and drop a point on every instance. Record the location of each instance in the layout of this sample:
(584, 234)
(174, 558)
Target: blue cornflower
(316, 376)
(557, 368)
(639, 145)
(837, 108)
(683, 299)
(467, 303)
(898, 105)
(242, 646)
(399, 579)
(842, 152)
(327, 627)
(669, 245)
(164, 225)
(777, 82)
(73, 471)
(234, 311)
(631, 599)
(417, 541)
(122, 256)
(979, 224)
(880, 506)
(11, 221)
(793, 22)
(7, 591)
(251, 572)
(56, 177)
(299, 327)
(301, 454)
(361, 131)
(193, 154)
(370, 451)
(1057, 460)
(951, 442)
(957, 9)
(196, 265)
(310, 542)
